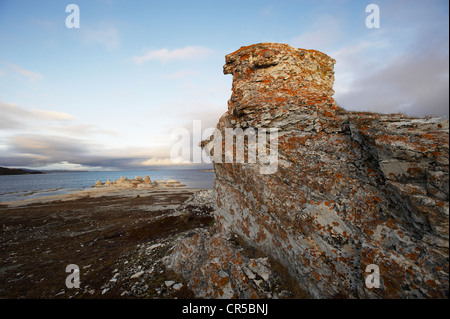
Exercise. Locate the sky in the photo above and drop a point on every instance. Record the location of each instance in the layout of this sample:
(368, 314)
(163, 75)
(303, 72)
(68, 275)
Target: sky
(109, 94)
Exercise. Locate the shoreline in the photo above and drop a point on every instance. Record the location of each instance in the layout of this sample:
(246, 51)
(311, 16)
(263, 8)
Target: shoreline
(24, 187)
(127, 189)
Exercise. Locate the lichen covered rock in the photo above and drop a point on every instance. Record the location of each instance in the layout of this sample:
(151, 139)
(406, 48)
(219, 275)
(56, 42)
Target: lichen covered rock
(350, 190)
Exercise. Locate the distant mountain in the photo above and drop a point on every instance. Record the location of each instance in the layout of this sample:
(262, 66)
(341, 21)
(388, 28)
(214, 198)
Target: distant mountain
(62, 171)
(17, 171)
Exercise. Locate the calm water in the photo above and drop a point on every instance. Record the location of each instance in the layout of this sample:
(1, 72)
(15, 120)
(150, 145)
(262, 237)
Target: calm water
(19, 187)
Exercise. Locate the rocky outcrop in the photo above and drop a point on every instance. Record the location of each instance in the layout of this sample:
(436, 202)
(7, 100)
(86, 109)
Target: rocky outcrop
(138, 182)
(350, 189)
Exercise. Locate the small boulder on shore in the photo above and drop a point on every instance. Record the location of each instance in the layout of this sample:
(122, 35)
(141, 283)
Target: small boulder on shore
(98, 183)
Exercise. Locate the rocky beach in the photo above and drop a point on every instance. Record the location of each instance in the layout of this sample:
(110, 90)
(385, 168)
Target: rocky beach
(117, 234)
(121, 234)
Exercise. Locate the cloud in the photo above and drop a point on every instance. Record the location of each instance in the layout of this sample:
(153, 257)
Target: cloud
(401, 67)
(83, 130)
(37, 150)
(51, 115)
(30, 75)
(164, 161)
(354, 61)
(324, 32)
(165, 55)
(414, 85)
(14, 116)
(104, 35)
(8, 123)
(42, 150)
(34, 138)
(378, 76)
(55, 147)
(39, 138)
(209, 119)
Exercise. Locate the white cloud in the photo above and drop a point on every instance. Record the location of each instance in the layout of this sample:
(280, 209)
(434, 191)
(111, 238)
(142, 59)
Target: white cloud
(353, 61)
(165, 55)
(51, 115)
(104, 35)
(401, 67)
(381, 75)
(325, 32)
(414, 84)
(164, 161)
(30, 75)
(83, 130)
(14, 116)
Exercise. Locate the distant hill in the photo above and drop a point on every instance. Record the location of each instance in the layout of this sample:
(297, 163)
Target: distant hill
(62, 171)
(17, 171)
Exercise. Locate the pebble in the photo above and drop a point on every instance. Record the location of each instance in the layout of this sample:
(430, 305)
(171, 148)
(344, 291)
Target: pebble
(137, 275)
(178, 286)
(154, 246)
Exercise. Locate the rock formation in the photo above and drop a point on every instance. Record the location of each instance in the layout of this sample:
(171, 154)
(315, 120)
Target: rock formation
(138, 182)
(351, 189)
(98, 183)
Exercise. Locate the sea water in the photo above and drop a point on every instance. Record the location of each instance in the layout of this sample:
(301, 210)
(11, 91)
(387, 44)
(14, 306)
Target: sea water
(19, 187)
